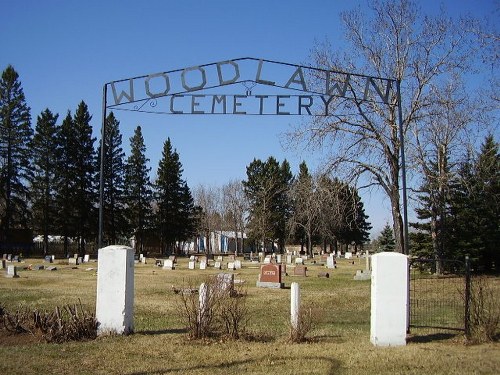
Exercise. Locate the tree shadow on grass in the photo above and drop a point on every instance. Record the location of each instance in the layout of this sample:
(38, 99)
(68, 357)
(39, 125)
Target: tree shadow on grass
(161, 332)
(430, 337)
(230, 367)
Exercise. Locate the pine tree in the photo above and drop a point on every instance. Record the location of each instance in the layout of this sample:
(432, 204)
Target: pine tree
(474, 208)
(15, 155)
(264, 188)
(114, 174)
(46, 155)
(358, 231)
(66, 222)
(305, 212)
(283, 205)
(488, 198)
(138, 192)
(84, 173)
(434, 203)
(386, 239)
(175, 207)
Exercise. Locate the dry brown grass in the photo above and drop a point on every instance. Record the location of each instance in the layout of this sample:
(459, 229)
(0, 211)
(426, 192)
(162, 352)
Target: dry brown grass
(339, 343)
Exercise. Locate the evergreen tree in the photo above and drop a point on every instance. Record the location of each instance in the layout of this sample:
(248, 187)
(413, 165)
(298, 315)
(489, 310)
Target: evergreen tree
(46, 157)
(474, 208)
(358, 227)
(386, 240)
(66, 222)
(175, 207)
(114, 174)
(488, 198)
(283, 206)
(15, 155)
(434, 200)
(84, 174)
(305, 212)
(138, 190)
(266, 188)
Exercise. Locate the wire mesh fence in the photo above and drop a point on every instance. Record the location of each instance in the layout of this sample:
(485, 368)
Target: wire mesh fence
(439, 296)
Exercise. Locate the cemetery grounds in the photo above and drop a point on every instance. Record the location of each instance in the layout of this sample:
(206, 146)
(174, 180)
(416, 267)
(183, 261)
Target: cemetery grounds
(339, 343)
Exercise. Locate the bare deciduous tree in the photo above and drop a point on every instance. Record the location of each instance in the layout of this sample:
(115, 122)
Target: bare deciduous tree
(393, 41)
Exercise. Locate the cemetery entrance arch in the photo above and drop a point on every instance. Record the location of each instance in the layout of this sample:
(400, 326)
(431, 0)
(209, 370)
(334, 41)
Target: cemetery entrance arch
(290, 90)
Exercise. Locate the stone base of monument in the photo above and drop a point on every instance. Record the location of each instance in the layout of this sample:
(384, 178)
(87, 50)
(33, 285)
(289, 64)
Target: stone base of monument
(363, 275)
(267, 284)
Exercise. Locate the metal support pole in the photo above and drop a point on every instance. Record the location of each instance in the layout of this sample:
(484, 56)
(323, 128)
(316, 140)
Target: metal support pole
(101, 172)
(406, 249)
(467, 297)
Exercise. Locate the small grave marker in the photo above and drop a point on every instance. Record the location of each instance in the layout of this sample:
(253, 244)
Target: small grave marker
(203, 265)
(168, 264)
(218, 265)
(300, 270)
(330, 262)
(12, 271)
(191, 264)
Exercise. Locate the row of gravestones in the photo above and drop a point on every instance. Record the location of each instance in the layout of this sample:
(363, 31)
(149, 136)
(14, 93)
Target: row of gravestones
(389, 293)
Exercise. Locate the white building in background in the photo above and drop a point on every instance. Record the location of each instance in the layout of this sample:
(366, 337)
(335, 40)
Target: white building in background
(220, 242)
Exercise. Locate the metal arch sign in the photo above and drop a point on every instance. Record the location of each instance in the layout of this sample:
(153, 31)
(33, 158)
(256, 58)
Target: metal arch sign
(297, 89)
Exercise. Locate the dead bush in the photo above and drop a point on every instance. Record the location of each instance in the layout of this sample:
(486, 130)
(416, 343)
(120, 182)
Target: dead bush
(69, 323)
(16, 322)
(306, 320)
(484, 320)
(215, 310)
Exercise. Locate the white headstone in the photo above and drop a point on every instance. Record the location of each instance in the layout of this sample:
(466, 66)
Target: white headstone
(237, 264)
(299, 261)
(267, 260)
(115, 290)
(348, 255)
(72, 261)
(225, 280)
(191, 264)
(230, 266)
(389, 299)
(288, 259)
(203, 265)
(202, 299)
(86, 258)
(278, 258)
(12, 271)
(168, 264)
(330, 262)
(217, 265)
(295, 304)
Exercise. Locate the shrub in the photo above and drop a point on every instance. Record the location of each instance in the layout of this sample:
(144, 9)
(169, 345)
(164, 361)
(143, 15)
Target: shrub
(69, 323)
(305, 323)
(223, 312)
(484, 310)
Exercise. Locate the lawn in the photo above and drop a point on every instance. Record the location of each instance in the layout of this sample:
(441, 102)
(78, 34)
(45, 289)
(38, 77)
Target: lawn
(338, 344)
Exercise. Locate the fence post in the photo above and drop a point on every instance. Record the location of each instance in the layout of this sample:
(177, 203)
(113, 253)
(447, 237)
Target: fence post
(467, 297)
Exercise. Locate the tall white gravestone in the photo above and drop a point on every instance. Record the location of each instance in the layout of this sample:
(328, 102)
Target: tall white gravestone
(115, 290)
(389, 299)
(294, 305)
